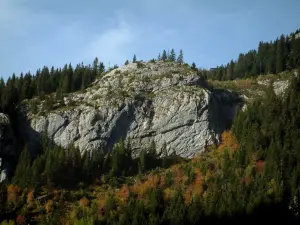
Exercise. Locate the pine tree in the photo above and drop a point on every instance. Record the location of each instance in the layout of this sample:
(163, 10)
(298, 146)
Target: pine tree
(172, 56)
(180, 57)
(95, 68)
(134, 59)
(230, 69)
(279, 55)
(193, 67)
(164, 56)
(158, 57)
(22, 173)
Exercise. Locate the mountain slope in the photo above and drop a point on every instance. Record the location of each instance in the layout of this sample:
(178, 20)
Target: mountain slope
(164, 102)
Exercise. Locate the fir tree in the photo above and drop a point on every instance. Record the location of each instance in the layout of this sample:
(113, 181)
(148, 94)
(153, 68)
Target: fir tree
(180, 57)
(134, 59)
(164, 56)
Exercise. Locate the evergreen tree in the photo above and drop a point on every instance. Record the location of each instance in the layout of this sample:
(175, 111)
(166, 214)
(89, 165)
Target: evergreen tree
(134, 59)
(172, 56)
(193, 66)
(164, 56)
(180, 57)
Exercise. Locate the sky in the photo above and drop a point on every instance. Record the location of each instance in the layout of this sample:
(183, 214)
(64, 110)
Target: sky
(37, 33)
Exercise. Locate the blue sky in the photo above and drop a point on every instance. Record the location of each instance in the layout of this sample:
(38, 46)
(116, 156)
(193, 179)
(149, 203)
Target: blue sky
(34, 33)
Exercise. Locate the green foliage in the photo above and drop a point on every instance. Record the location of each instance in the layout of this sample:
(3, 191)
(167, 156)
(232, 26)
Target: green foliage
(180, 57)
(271, 57)
(134, 59)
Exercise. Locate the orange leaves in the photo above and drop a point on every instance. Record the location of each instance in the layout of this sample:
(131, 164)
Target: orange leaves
(228, 141)
(188, 195)
(123, 193)
(84, 202)
(102, 205)
(49, 207)
(13, 189)
(198, 176)
(30, 196)
(141, 188)
(13, 192)
(179, 175)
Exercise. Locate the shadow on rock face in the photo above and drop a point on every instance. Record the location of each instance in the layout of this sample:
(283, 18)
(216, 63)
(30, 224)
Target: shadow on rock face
(222, 109)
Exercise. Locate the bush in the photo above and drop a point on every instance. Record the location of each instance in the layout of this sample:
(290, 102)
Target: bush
(140, 65)
(84, 202)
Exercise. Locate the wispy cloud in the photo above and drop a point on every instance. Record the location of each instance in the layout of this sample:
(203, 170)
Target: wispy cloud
(112, 45)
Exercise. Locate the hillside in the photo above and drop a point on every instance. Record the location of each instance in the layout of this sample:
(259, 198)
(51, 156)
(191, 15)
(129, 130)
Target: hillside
(158, 142)
(162, 102)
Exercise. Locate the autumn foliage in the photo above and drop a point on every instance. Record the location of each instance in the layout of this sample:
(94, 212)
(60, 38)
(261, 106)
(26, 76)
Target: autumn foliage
(123, 194)
(49, 206)
(260, 166)
(141, 188)
(229, 142)
(84, 202)
(13, 192)
(30, 196)
(20, 220)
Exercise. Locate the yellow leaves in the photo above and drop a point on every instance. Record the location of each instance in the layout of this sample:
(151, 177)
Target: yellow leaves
(272, 186)
(228, 142)
(207, 176)
(168, 194)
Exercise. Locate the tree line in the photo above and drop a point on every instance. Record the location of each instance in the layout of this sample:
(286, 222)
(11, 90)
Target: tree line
(269, 58)
(45, 81)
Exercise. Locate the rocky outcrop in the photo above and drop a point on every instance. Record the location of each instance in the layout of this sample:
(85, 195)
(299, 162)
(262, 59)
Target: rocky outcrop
(162, 102)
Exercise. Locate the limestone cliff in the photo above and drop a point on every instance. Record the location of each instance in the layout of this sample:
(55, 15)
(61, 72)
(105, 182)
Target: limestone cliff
(166, 103)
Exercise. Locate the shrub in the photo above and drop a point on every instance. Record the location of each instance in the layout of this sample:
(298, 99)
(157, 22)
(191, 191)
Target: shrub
(140, 65)
(84, 202)
(13, 193)
(49, 206)
(21, 220)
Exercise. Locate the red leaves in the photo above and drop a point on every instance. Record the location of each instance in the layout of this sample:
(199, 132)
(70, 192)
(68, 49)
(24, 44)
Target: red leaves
(21, 220)
(260, 166)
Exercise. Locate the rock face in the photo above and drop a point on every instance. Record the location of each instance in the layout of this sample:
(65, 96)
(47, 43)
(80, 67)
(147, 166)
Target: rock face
(7, 146)
(162, 102)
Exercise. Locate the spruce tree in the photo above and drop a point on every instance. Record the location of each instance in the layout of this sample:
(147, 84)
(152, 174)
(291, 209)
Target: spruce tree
(164, 56)
(172, 56)
(180, 57)
(159, 57)
(193, 67)
(134, 59)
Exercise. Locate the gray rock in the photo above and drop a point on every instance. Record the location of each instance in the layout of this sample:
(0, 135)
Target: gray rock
(162, 102)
